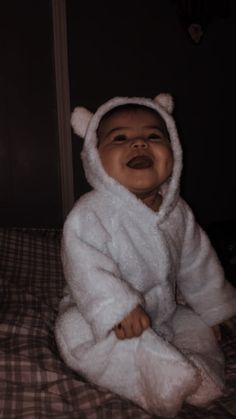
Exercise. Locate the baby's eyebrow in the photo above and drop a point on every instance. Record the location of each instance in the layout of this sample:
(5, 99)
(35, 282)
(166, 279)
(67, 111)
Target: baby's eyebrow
(111, 131)
(157, 127)
(115, 129)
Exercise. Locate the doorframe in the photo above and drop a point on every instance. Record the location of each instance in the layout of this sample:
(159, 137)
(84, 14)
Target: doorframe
(60, 48)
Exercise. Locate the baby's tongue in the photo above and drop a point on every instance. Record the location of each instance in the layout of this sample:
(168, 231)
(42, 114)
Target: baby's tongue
(140, 162)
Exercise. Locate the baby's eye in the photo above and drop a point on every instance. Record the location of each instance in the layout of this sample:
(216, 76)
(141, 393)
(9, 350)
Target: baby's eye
(119, 138)
(154, 136)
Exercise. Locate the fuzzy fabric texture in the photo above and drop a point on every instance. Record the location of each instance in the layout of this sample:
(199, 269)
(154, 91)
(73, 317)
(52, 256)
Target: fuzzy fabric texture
(117, 253)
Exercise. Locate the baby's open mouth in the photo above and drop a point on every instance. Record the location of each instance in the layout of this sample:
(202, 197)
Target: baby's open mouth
(140, 162)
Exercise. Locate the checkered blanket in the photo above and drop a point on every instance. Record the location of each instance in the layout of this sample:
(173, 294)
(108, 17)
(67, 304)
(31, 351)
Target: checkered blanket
(34, 381)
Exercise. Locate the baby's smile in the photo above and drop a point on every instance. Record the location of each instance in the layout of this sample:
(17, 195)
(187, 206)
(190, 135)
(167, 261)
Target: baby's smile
(135, 151)
(140, 162)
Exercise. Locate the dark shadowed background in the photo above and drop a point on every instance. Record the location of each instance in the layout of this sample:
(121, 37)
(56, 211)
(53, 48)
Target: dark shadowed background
(131, 47)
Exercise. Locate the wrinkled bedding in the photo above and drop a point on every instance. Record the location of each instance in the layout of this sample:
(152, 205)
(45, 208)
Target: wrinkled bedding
(34, 381)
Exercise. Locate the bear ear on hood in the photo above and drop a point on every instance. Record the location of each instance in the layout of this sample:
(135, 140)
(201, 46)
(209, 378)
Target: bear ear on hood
(165, 100)
(80, 119)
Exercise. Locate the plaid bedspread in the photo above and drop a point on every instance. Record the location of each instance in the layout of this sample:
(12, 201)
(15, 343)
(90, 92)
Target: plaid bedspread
(34, 381)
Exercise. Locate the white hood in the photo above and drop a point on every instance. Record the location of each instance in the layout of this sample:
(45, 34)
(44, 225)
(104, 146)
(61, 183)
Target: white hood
(85, 125)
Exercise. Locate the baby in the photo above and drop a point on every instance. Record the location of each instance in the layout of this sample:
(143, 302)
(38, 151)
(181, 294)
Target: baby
(129, 246)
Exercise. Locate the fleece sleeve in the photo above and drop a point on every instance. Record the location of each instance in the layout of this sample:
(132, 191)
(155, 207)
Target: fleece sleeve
(201, 279)
(93, 278)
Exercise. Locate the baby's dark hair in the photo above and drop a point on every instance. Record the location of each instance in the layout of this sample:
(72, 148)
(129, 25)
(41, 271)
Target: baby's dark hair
(129, 107)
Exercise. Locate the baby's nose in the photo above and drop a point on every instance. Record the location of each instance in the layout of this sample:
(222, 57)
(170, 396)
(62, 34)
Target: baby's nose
(139, 143)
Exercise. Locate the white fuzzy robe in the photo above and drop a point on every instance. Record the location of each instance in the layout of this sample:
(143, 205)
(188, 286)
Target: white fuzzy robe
(117, 253)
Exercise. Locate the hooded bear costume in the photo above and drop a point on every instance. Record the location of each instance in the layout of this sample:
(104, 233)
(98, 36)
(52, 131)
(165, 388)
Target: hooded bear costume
(118, 253)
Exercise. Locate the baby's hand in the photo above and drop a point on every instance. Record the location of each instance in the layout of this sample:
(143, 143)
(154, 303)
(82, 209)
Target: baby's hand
(132, 325)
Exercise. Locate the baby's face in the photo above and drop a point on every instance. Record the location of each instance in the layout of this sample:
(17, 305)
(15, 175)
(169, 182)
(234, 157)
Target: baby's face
(135, 150)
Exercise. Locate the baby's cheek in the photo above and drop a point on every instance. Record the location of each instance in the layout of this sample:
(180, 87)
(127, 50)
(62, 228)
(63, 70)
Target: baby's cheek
(170, 163)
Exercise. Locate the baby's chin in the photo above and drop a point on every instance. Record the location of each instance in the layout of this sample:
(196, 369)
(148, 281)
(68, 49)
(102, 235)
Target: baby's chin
(143, 193)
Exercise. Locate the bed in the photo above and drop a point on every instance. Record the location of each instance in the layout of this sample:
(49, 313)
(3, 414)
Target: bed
(34, 381)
